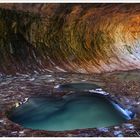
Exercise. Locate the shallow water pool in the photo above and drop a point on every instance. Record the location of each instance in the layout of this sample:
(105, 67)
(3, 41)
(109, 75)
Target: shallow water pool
(75, 111)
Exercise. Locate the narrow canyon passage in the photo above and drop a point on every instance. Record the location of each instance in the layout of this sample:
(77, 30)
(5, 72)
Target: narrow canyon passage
(69, 70)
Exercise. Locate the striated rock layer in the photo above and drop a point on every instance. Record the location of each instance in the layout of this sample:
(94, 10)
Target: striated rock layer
(83, 38)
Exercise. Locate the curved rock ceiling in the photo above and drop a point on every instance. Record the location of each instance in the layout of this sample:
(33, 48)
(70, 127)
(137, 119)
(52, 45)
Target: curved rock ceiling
(83, 38)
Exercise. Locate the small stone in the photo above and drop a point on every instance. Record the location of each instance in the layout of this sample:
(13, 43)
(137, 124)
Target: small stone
(120, 135)
(116, 133)
(17, 104)
(129, 126)
(70, 135)
(21, 132)
(1, 121)
(48, 75)
(32, 79)
(51, 80)
(103, 129)
(22, 87)
(14, 132)
(83, 80)
(116, 127)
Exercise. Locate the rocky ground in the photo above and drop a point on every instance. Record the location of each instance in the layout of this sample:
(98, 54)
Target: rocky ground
(122, 86)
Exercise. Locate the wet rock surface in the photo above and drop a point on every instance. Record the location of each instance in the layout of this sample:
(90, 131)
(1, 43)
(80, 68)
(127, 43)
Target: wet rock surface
(16, 89)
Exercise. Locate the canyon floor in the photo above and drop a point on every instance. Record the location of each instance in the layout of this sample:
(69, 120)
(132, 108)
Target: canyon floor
(124, 87)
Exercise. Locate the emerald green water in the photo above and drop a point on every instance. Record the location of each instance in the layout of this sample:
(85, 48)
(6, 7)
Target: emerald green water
(77, 87)
(76, 111)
